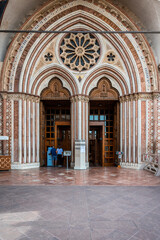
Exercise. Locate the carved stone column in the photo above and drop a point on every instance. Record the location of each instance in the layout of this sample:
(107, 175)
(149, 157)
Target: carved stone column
(155, 122)
(4, 109)
(79, 131)
(25, 131)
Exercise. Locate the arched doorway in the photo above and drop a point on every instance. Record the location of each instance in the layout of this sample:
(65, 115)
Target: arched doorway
(34, 60)
(55, 118)
(104, 124)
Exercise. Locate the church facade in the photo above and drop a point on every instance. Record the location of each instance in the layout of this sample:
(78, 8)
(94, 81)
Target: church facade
(92, 93)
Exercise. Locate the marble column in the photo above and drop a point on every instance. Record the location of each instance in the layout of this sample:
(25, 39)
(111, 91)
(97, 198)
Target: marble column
(79, 132)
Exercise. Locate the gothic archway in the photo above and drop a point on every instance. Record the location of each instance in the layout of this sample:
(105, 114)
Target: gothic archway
(33, 60)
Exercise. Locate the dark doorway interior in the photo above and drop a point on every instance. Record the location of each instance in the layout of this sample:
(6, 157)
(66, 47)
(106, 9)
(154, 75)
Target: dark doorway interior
(64, 137)
(95, 146)
(55, 126)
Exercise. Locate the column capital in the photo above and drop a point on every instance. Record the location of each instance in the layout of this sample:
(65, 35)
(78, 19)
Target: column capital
(156, 95)
(79, 98)
(4, 95)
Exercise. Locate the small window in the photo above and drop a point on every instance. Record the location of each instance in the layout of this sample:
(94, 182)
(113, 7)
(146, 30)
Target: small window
(52, 129)
(48, 129)
(91, 112)
(106, 135)
(52, 135)
(57, 111)
(111, 135)
(102, 118)
(91, 117)
(48, 135)
(68, 117)
(57, 117)
(48, 123)
(67, 112)
(106, 148)
(111, 148)
(101, 112)
(96, 111)
(96, 117)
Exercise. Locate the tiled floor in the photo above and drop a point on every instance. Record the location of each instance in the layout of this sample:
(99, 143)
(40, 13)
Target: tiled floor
(92, 176)
(96, 204)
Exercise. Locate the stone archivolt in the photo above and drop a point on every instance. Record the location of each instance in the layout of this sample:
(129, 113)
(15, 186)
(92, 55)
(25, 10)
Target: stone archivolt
(44, 16)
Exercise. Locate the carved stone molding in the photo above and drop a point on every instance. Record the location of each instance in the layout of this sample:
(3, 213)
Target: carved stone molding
(156, 95)
(79, 98)
(20, 96)
(104, 91)
(140, 96)
(55, 91)
(3, 95)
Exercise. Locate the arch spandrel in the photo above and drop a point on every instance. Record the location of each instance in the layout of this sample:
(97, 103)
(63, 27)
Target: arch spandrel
(17, 56)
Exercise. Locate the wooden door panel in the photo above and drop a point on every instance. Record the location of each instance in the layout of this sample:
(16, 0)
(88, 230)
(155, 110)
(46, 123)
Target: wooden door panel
(52, 120)
(105, 116)
(95, 145)
(64, 137)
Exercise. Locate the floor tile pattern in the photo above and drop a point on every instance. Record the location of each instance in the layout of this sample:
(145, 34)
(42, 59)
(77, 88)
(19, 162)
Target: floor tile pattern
(79, 213)
(94, 204)
(92, 176)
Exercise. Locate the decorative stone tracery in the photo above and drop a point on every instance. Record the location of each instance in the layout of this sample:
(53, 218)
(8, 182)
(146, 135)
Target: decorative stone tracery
(55, 90)
(115, 11)
(80, 51)
(104, 91)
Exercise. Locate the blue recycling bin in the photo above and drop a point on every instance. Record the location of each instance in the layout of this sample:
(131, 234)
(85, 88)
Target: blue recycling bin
(49, 158)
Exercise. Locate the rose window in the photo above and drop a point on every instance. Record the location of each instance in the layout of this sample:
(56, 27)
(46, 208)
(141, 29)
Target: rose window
(80, 51)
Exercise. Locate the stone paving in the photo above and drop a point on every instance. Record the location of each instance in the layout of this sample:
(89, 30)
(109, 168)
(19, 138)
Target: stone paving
(92, 176)
(79, 211)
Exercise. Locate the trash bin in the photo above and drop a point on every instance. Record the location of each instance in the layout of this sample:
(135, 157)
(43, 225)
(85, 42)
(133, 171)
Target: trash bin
(49, 158)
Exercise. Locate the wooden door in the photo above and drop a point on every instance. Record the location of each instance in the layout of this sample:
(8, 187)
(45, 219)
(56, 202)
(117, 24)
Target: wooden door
(95, 146)
(54, 116)
(64, 137)
(104, 113)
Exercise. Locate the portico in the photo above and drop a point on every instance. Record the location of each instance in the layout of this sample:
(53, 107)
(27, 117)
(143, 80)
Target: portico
(88, 72)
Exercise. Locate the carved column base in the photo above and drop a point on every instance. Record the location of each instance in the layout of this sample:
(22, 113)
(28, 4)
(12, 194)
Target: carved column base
(80, 152)
(17, 165)
(132, 165)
